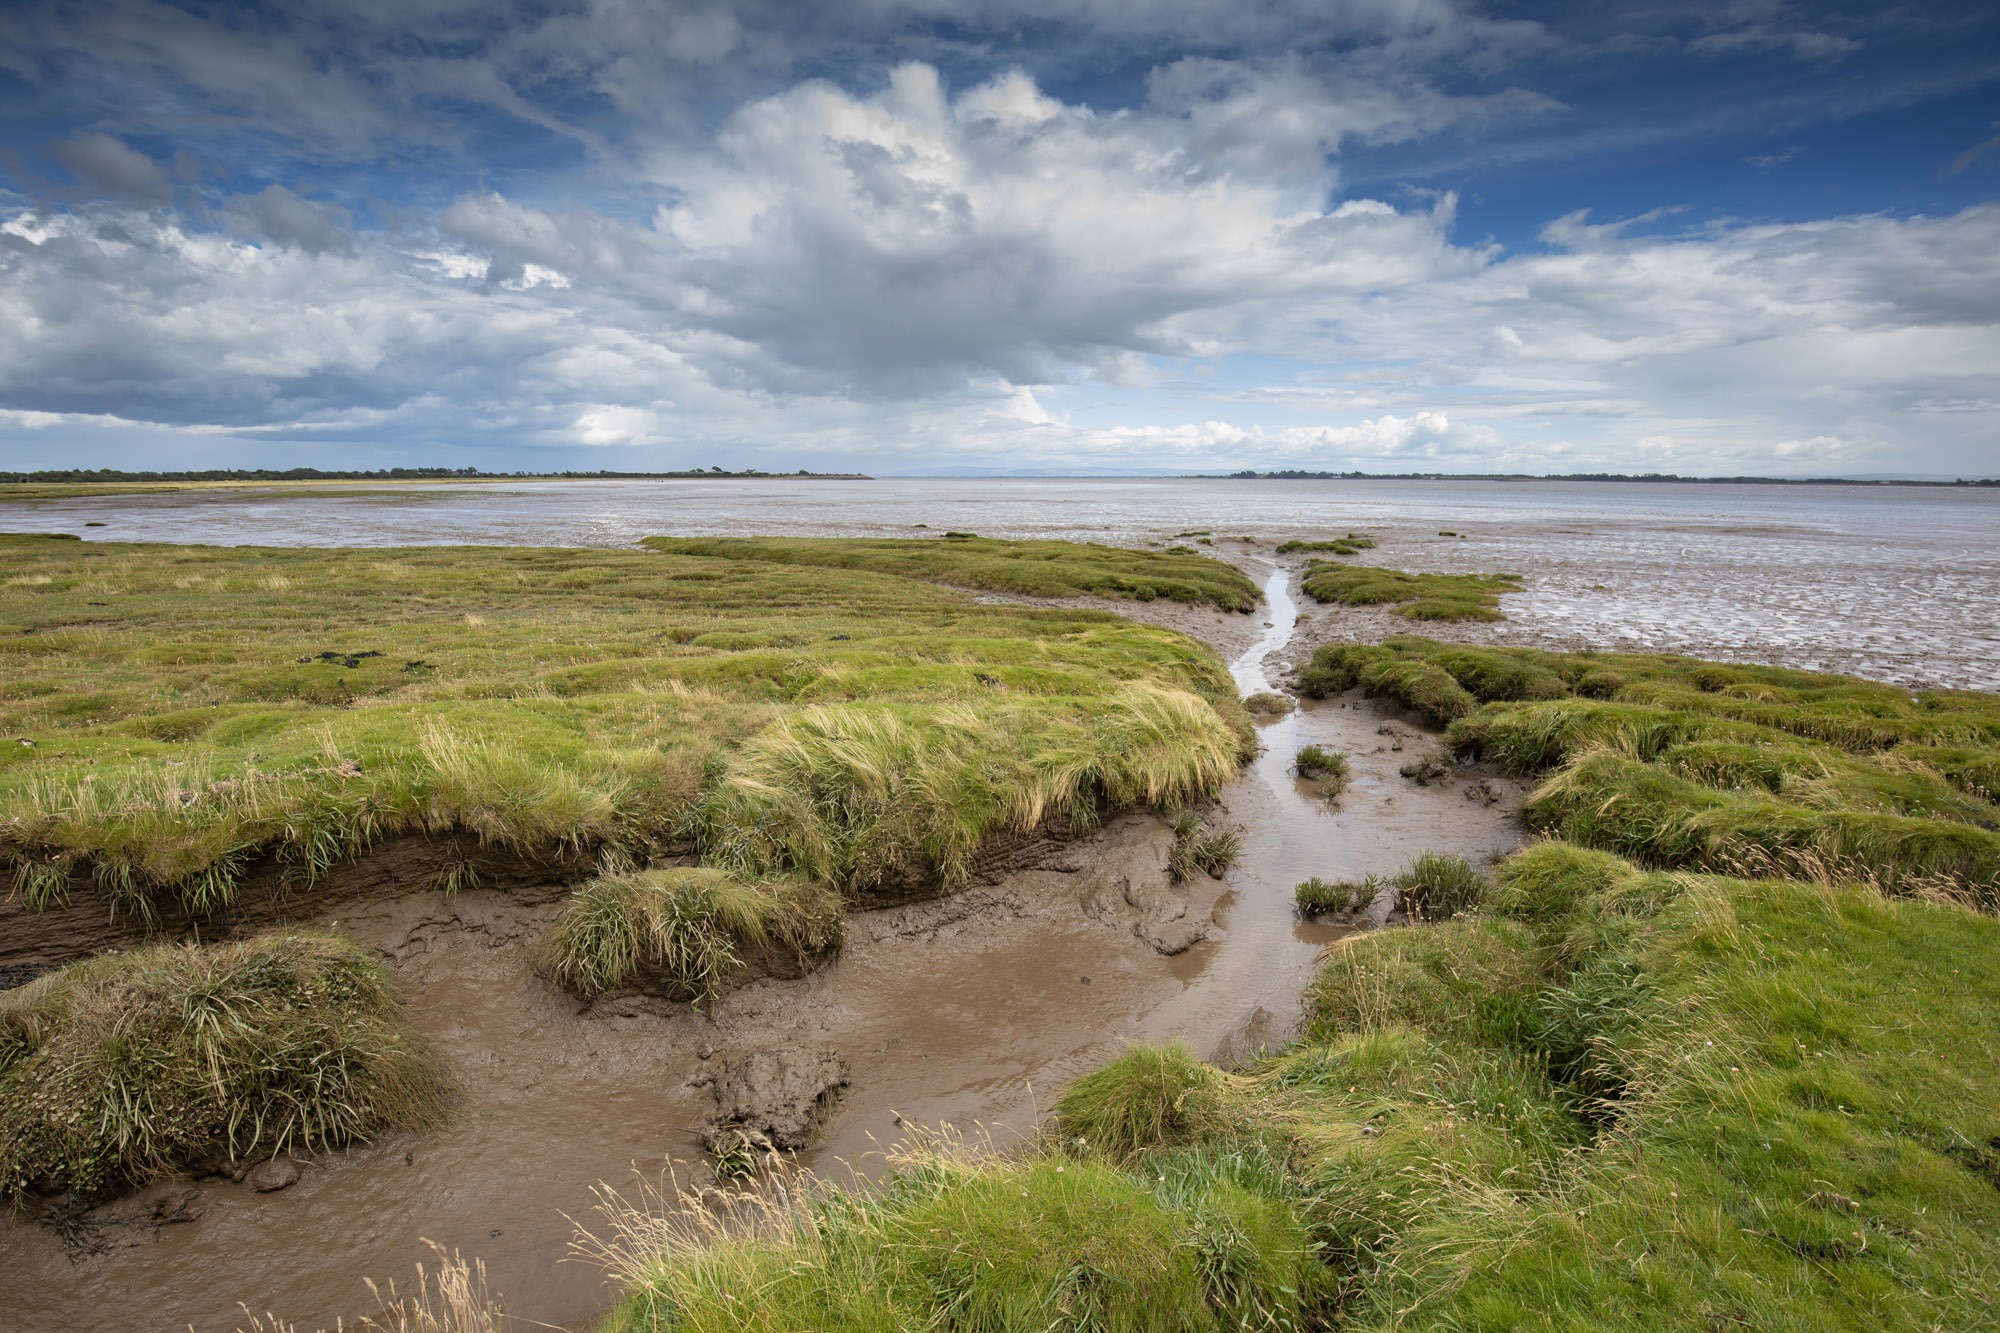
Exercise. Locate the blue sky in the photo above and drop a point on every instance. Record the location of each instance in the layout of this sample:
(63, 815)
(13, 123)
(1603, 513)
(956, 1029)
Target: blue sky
(912, 236)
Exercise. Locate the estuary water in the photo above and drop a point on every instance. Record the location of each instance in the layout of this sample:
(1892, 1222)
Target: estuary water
(1896, 583)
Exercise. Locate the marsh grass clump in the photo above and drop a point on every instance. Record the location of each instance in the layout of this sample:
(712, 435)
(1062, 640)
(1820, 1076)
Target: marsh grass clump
(686, 929)
(1680, 763)
(1419, 596)
(1349, 545)
(1327, 768)
(1200, 849)
(866, 797)
(1026, 568)
(132, 1066)
(1267, 704)
(1318, 897)
(1384, 673)
(1149, 1097)
(1437, 886)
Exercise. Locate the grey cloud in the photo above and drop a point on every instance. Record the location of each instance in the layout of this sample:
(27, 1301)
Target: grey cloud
(278, 215)
(107, 165)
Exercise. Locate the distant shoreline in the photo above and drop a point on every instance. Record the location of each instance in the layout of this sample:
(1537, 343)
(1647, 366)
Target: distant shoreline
(1590, 476)
(88, 479)
(109, 476)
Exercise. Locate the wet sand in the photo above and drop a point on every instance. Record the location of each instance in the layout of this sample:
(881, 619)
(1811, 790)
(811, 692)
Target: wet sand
(970, 1009)
(1895, 583)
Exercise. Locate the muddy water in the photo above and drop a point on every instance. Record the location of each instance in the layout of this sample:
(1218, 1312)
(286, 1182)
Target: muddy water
(972, 1008)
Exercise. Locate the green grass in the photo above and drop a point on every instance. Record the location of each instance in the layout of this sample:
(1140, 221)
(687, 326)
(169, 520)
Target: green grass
(1318, 897)
(128, 1067)
(1437, 886)
(1268, 704)
(686, 929)
(1149, 1096)
(1048, 1240)
(1413, 682)
(1199, 849)
(1327, 768)
(1615, 1099)
(1024, 568)
(1348, 545)
(189, 728)
(1417, 596)
(1679, 763)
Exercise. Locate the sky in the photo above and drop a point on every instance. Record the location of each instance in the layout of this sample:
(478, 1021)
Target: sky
(918, 237)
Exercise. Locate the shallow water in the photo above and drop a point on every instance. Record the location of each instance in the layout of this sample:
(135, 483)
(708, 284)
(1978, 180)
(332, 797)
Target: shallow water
(1900, 583)
(968, 1010)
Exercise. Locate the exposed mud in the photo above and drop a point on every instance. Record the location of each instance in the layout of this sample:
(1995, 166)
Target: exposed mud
(972, 1008)
(95, 920)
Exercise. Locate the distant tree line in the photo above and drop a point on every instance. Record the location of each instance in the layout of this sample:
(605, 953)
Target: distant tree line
(1294, 474)
(73, 475)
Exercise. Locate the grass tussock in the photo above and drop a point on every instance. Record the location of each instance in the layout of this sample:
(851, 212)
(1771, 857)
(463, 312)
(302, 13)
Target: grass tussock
(1414, 683)
(1328, 769)
(1199, 849)
(686, 929)
(1416, 596)
(1319, 897)
(1023, 568)
(1437, 886)
(1149, 1096)
(129, 1067)
(1266, 704)
(1351, 544)
(203, 715)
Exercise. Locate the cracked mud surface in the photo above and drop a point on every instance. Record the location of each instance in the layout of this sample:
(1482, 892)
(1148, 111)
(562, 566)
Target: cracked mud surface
(971, 1008)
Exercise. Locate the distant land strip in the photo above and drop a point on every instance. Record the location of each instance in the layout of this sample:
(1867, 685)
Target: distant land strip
(74, 476)
(1296, 475)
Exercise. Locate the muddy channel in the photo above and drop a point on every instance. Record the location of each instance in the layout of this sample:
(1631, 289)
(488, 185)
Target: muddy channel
(970, 1010)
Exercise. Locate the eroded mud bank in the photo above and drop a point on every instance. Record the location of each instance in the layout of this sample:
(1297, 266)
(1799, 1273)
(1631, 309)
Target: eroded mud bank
(971, 1008)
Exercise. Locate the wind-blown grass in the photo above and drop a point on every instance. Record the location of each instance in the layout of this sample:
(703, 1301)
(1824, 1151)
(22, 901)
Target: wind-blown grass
(1149, 1096)
(870, 797)
(949, 1240)
(128, 1067)
(1416, 596)
(1024, 568)
(199, 713)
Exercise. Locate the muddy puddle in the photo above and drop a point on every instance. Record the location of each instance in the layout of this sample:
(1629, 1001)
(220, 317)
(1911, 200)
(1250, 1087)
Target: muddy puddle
(972, 1009)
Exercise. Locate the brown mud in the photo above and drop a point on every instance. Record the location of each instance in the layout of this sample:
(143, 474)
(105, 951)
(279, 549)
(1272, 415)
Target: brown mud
(973, 1008)
(270, 892)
